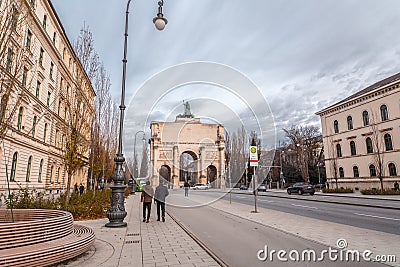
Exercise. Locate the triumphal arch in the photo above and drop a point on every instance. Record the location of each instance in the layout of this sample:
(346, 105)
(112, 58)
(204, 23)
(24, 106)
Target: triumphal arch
(187, 150)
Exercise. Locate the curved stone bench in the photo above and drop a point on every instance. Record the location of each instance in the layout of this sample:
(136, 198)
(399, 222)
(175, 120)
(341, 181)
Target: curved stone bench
(41, 238)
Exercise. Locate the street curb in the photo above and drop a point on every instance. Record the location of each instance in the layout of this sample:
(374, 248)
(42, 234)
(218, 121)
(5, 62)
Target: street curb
(325, 201)
(200, 243)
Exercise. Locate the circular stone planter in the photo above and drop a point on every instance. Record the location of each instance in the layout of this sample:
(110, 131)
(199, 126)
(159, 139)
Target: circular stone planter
(41, 237)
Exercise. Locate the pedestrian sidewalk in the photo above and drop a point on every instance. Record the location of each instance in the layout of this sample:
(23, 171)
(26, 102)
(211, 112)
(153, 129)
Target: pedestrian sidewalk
(141, 244)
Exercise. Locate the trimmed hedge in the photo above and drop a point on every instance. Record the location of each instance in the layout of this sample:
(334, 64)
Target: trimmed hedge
(338, 190)
(90, 205)
(379, 192)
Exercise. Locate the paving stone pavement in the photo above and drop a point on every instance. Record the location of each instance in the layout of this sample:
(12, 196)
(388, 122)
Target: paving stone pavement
(141, 244)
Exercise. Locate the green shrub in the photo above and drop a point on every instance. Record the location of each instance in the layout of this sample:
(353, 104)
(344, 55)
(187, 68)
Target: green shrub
(337, 190)
(374, 191)
(89, 205)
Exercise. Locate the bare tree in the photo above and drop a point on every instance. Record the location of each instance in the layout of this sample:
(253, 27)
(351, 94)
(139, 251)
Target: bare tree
(78, 130)
(238, 158)
(304, 139)
(333, 160)
(378, 149)
(15, 64)
(144, 165)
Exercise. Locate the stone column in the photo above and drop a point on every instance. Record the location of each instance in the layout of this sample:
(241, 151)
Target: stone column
(175, 168)
(202, 157)
(221, 167)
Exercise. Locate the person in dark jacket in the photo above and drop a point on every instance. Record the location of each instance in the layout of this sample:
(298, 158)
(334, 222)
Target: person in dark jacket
(147, 198)
(81, 189)
(159, 198)
(186, 186)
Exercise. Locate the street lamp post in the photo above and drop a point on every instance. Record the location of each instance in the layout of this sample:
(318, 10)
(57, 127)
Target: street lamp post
(116, 213)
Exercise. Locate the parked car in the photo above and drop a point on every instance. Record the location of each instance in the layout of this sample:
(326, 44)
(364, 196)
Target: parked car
(301, 188)
(243, 187)
(200, 187)
(321, 186)
(262, 188)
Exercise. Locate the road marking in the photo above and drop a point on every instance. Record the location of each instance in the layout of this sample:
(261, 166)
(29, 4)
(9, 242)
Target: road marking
(308, 207)
(241, 197)
(379, 217)
(263, 200)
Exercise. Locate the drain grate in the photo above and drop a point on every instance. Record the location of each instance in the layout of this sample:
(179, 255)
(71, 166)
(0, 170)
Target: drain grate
(132, 242)
(135, 234)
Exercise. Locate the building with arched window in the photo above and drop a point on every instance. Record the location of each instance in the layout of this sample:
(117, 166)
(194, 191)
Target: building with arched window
(372, 116)
(31, 93)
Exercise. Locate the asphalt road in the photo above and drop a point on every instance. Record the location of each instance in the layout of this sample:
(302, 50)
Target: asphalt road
(237, 241)
(379, 219)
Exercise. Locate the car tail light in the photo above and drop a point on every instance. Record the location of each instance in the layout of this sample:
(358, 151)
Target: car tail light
(304, 186)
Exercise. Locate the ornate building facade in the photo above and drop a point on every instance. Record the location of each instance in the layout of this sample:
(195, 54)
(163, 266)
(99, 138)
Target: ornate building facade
(46, 100)
(187, 150)
(361, 137)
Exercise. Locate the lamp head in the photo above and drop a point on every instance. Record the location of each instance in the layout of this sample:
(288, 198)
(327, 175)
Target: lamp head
(160, 22)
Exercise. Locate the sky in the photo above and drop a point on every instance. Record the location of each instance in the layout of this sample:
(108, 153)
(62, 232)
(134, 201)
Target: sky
(302, 55)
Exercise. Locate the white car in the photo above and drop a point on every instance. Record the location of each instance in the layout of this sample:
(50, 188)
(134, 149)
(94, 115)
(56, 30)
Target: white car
(200, 187)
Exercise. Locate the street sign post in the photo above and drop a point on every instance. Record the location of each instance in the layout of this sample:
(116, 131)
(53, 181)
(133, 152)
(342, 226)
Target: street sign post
(254, 164)
(253, 156)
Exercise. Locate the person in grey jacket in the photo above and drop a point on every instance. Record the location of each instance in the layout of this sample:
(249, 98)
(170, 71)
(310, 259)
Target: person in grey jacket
(159, 198)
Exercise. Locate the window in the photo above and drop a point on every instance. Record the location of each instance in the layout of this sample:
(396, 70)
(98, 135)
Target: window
(38, 89)
(370, 148)
(349, 123)
(64, 52)
(48, 98)
(51, 174)
(365, 118)
(353, 148)
(388, 142)
(10, 56)
(372, 170)
(392, 169)
(59, 106)
(20, 115)
(51, 69)
(34, 126)
(341, 172)
(336, 126)
(28, 39)
(14, 18)
(28, 169)
(56, 139)
(384, 113)
(41, 56)
(45, 22)
(339, 150)
(40, 171)
(44, 132)
(54, 38)
(24, 76)
(3, 107)
(32, 3)
(14, 167)
(355, 171)
(58, 175)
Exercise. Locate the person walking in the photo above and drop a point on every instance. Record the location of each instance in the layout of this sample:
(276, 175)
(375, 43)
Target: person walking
(186, 186)
(76, 188)
(159, 198)
(81, 189)
(147, 198)
(396, 186)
